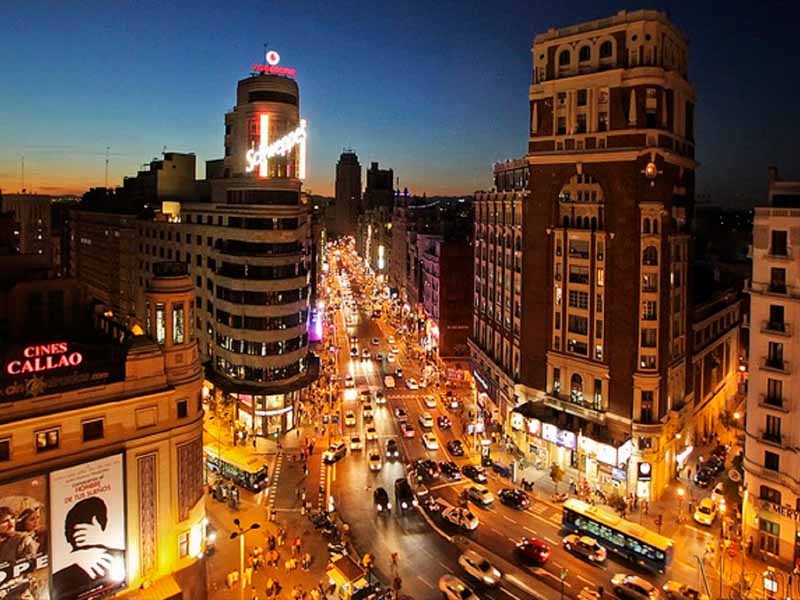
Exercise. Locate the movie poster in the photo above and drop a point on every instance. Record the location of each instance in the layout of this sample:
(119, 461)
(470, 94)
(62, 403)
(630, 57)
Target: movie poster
(24, 540)
(87, 518)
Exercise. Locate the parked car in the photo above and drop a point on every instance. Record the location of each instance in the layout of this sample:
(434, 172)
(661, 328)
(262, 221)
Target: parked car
(479, 568)
(450, 470)
(585, 546)
(381, 498)
(453, 588)
(480, 495)
(477, 474)
(533, 551)
(514, 498)
(633, 587)
(411, 384)
(455, 447)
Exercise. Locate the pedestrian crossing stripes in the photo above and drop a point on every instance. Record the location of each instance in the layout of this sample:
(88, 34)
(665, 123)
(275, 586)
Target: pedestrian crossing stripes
(273, 489)
(322, 482)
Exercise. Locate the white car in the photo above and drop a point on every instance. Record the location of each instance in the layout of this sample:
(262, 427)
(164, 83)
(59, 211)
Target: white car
(429, 441)
(395, 350)
(480, 495)
(390, 358)
(453, 588)
(718, 494)
(706, 512)
(365, 354)
(412, 384)
(390, 339)
(372, 434)
(366, 411)
(461, 517)
(585, 546)
(375, 341)
(350, 418)
(426, 420)
(633, 587)
(380, 399)
(349, 381)
(430, 401)
(479, 568)
(356, 443)
(388, 382)
(375, 461)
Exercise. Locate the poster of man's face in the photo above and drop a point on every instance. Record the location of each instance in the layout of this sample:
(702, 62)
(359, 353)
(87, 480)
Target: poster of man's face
(24, 540)
(87, 517)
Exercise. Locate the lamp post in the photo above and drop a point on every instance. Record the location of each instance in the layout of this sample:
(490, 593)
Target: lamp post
(240, 533)
(681, 494)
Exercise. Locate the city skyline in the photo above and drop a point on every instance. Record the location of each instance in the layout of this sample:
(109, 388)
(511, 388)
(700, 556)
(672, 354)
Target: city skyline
(438, 110)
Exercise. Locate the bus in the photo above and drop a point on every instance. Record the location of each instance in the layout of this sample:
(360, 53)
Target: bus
(625, 538)
(238, 465)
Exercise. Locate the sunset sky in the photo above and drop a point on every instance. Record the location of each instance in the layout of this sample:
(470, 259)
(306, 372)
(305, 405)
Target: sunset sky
(435, 90)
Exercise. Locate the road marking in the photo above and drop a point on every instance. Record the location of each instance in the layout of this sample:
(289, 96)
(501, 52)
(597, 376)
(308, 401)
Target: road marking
(509, 519)
(504, 590)
(496, 530)
(555, 543)
(531, 530)
(583, 579)
(426, 582)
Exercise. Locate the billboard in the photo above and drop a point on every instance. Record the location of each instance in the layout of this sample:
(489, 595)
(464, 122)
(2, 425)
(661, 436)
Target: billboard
(24, 539)
(87, 518)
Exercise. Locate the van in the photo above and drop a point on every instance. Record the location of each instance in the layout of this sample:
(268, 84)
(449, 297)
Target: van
(335, 452)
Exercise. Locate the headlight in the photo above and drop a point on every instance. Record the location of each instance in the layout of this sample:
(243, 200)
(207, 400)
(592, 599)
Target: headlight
(380, 508)
(388, 506)
(404, 505)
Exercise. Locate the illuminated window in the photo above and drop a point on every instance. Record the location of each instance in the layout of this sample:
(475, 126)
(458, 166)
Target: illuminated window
(191, 320)
(183, 545)
(161, 330)
(48, 439)
(177, 324)
(576, 389)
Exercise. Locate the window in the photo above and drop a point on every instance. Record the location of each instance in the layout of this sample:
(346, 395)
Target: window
(599, 303)
(602, 121)
(650, 256)
(161, 327)
(564, 58)
(578, 299)
(778, 246)
(649, 338)
(598, 327)
(775, 392)
(48, 439)
(183, 409)
(772, 430)
(183, 545)
(5, 450)
(598, 394)
(578, 274)
(580, 125)
(649, 310)
(198, 260)
(769, 494)
(646, 410)
(177, 324)
(601, 277)
(771, 461)
(93, 430)
(649, 282)
(561, 127)
(556, 381)
(558, 321)
(776, 322)
(777, 280)
(606, 49)
(582, 97)
(576, 324)
(576, 389)
(775, 356)
(648, 361)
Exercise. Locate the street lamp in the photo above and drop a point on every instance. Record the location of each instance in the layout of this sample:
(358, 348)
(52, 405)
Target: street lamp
(240, 533)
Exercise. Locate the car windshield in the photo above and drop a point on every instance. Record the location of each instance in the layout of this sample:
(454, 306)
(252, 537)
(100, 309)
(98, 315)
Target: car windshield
(705, 510)
(465, 593)
(484, 565)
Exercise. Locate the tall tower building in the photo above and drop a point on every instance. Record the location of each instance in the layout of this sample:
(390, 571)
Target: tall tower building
(348, 193)
(597, 255)
(772, 467)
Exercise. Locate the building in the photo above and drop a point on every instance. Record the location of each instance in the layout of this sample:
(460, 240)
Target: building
(248, 250)
(771, 513)
(374, 221)
(379, 190)
(348, 194)
(101, 425)
(32, 212)
(601, 346)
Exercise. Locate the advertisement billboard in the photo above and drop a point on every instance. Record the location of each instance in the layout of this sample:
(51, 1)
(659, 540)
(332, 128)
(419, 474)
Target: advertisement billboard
(24, 539)
(87, 518)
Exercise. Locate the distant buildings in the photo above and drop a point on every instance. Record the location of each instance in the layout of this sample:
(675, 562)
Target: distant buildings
(348, 195)
(772, 466)
(374, 228)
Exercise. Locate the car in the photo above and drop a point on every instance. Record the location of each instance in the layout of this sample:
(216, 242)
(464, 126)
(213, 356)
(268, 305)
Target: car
(365, 395)
(407, 430)
(461, 517)
(388, 382)
(501, 469)
(453, 588)
(375, 341)
(429, 441)
(675, 590)
(715, 464)
(401, 414)
(585, 546)
(372, 434)
(480, 495)
(479, 568)
(444, 423)
(375, 460)
(403, 494)
(532, 551)
(366, 412)
(390, 339)
(379, 357)
(390, 358)
(365, 355)
(412, 384)
(426, 420)
(398, 372)
(474, 472)
(353, 352)
(633, 587)
(381, 498)
(706, 512)
(380, 398)
(335, 452)
(721, 451)
(718, 494)
(455, 447)
(451, 400)
(450, 470)
(350, 418)
(392, 450)
(356, 443)
(394, 350)
(514, 498)
(703, 477)
(429, 401)
(349, 381)
(428, 468)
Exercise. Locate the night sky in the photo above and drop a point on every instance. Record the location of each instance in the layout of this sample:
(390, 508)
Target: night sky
(436, 90)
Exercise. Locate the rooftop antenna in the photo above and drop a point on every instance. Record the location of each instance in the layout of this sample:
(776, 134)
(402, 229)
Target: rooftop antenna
(105, 183)
(23, 173)
(164, 150)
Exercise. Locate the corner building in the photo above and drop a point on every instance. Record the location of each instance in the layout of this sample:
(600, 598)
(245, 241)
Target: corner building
(588, 318)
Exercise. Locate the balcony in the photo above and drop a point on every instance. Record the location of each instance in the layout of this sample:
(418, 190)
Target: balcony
(776, 328)
(773, 403)
(575, 253)
(774, 439)
(778, 366)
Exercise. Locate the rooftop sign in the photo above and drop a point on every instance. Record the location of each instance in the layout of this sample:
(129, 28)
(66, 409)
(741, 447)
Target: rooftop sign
(271, 67)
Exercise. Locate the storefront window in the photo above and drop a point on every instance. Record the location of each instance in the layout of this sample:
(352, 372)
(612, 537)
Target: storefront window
(161, 328)
(177, 324)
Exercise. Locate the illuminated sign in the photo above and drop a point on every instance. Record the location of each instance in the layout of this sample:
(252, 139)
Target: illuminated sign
(550, 432)
(534, 427)
(259, 157)
(45, 357)
(566, 439)
(271, 68)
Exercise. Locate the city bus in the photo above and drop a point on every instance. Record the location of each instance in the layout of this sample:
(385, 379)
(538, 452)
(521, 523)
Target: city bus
(238, 465)
(625, 538)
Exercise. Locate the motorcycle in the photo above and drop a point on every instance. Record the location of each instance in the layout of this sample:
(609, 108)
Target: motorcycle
(337, 548)
(527, 485)
(560, 497)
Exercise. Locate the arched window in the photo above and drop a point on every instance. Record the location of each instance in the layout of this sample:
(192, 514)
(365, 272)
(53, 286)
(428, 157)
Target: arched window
(646, 226)
(655, 225)
(606, 49)
(650, 256)
(564, 58)
(585, 54)
(576, 388)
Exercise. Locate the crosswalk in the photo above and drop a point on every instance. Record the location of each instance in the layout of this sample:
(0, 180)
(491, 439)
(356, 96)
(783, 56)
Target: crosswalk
(273, 489)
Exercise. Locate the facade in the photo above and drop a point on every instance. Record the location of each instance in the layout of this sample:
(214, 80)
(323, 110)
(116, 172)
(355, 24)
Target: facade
(248, 250)
(348, 194)
(771, 513)
(603, 333)
(32, 212)
(101, 423)
(379, 190)
(374, 239)
(398, 261)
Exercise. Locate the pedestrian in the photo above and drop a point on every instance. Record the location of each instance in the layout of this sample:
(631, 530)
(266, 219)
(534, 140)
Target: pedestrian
(253, 594)
(601, 592)
(270, 587)
(306, 561)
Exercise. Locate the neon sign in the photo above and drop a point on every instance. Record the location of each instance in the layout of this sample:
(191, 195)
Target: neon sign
(271, 68)
(45, 357)
(259, 157)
